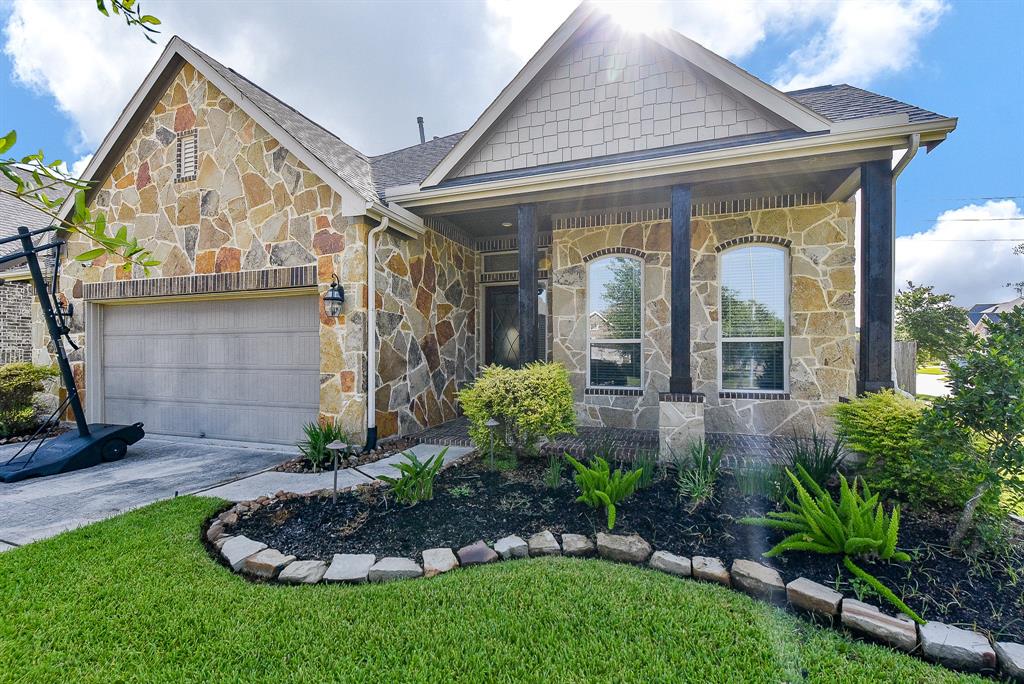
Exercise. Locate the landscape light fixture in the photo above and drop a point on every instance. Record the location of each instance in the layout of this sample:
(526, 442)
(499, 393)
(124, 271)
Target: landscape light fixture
(334, 298)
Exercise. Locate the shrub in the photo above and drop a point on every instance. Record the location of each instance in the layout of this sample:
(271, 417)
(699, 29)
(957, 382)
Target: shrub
(19, 383)
(888, 429)
(416, 482)
(697, 474)
(553, 473)
(983, 417)
(819, 455)
(528, 403)
(855, 527)
(318, 436)
(599, 486)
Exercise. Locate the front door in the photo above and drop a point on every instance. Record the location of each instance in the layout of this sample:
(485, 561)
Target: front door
(501, 340)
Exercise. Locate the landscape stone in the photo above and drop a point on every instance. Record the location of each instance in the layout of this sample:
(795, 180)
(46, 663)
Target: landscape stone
(577, 545)
(266, 563)
(387, 569)
(436, 561)
(544, 544)
(955, 647)
(631, 549)
(710, 569)
(477, 553)
(219, 544)
(303, 572)
(215, 531)
(349, 567)
(237, 549)
(817, 598)
(511, 547)
(671, 563)
(1011, 659)
(758, 580)
(900, 632)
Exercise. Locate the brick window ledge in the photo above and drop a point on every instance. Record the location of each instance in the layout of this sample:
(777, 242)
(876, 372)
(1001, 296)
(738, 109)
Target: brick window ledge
(764, 396)
(612, 392)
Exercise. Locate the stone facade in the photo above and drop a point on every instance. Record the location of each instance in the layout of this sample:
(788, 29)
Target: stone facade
(611, 93)
(820, 242)
(426, 323)
(679, 423)
(15, 322)
(252, 206)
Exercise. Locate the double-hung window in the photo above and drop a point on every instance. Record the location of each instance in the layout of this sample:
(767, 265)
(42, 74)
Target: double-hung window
(754, 314)
(614, 310)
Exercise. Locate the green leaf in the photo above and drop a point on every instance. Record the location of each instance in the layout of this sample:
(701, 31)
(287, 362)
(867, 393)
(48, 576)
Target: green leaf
(149, 19)
(91, 254)
(7, 142)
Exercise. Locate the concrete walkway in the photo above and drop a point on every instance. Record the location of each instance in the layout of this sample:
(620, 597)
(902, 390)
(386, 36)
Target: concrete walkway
(269, 483)
(932, 385)
(158, 467)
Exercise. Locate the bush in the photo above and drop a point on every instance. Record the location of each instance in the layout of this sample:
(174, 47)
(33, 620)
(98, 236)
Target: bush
(599, 486)
(855, 527)
(528, 403)
(416, 481)
(696, 475)
(888, 429)
(318, 436)
(819, 455)
(19, 383)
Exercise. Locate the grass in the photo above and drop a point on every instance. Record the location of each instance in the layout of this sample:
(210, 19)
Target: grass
(930, 370)
(137, 598)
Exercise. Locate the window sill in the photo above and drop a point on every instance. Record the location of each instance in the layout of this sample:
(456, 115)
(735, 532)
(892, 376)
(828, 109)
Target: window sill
(613, 392)
(744, 394)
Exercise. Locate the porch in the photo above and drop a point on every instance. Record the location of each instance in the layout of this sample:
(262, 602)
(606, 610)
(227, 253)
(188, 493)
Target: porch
(740, 451)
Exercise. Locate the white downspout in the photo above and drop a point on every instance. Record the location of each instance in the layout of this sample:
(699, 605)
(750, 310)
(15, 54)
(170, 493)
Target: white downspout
(914, 143)
(371, 333)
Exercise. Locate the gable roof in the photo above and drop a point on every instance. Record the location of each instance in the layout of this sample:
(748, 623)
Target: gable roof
(845, 102)
(588, 16)
(410, 164)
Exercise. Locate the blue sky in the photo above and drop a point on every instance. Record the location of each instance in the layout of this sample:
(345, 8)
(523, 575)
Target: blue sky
(375, 68)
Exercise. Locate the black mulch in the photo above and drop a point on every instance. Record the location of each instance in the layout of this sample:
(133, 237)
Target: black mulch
(52, 431)
(472, 502)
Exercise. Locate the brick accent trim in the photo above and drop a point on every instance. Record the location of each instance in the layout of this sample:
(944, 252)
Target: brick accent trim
(750, 239)
(779, 396)
(508, 277)
(267, 279)
(612, 392)
(614, 250)
(509, 244)
(691, 398)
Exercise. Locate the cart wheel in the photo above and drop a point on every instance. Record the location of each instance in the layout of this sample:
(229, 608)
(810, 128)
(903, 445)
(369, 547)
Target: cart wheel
(114, 450)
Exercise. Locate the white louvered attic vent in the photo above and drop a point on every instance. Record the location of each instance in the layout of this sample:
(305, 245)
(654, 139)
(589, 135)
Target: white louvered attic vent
(188, 157)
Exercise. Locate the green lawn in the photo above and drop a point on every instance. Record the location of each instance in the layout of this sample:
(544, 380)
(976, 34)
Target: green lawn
(931, 370)
(137, 598)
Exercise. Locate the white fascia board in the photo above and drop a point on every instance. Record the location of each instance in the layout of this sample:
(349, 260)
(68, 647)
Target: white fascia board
(509, 94)
(17, 273)
(773, 100)
(401, 220)
(932, 131)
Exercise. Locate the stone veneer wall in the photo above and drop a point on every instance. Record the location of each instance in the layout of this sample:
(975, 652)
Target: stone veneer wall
(426, 324)
(15, 322)
(252, 206)
(822, 336)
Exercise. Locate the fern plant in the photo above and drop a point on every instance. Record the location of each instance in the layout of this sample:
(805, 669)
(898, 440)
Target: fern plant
(416, 482)
(599, 486)
(855, 527)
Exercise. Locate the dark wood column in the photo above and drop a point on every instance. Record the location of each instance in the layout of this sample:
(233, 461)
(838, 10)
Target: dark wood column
(526, 227)
(680, 381)
(876, 276)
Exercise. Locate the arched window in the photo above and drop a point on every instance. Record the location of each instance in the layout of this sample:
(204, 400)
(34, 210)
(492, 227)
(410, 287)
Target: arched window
(614, 330)
(754, 310)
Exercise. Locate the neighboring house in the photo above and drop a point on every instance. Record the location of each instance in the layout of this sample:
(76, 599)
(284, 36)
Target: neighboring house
(701, 219)
(16, 292)
(980, 315)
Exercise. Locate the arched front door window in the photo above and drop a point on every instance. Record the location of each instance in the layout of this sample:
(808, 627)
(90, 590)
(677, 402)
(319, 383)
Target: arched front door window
(614, 329)
(754, 313)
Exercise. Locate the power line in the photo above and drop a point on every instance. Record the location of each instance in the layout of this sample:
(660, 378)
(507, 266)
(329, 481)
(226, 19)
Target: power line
(1020, 239)
(958, 220)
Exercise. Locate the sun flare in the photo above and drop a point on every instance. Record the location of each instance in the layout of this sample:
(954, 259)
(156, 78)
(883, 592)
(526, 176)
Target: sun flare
(644, 16)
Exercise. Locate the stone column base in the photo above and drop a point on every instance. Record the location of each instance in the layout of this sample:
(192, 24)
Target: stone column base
(680, 421)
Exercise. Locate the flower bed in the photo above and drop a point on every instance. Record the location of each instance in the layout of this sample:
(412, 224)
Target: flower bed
(473, 502)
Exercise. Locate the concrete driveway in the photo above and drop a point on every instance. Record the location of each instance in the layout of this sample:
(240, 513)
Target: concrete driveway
(932, 385)
(158, 467)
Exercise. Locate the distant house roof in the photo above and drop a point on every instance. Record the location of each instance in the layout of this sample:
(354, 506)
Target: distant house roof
(845, 102)
(991, 312)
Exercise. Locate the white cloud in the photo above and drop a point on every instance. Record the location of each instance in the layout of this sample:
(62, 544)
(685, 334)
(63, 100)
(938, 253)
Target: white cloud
(864, 40)
(973, 272)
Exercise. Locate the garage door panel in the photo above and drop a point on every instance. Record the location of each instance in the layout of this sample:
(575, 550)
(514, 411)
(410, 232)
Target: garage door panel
(244, 369)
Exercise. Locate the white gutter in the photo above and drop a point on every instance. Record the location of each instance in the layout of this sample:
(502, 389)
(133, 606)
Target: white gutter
(371, 332)
(914, 144)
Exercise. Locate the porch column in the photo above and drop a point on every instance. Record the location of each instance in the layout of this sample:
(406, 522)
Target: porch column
(526, 227)
(876, 276)
(680, 381)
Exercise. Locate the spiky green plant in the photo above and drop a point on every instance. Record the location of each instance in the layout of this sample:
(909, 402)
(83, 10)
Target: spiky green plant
(318, 435)
(855, 527)
(599, 486)
(553, 473)
(819, 454)
(647, 461)
(697, 473)
(416, 482)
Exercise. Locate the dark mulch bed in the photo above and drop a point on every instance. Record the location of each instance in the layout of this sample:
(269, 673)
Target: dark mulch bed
(52, 431)
(304, 465)
(473, 502)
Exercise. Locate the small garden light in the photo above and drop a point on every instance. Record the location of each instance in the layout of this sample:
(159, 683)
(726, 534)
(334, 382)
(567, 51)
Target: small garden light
(490, 425)
(334, 298)
(334, 447)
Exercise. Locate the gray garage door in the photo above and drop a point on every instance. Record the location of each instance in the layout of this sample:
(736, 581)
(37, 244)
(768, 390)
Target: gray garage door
(239, 369)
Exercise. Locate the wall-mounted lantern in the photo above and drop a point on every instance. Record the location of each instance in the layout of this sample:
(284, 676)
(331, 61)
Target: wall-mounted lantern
(334, 298)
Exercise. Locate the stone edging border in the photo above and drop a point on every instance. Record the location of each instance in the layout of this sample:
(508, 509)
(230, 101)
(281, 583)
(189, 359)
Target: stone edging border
(946, 645)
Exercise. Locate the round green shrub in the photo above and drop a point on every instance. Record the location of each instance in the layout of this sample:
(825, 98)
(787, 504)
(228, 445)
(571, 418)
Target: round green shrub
(19, 383)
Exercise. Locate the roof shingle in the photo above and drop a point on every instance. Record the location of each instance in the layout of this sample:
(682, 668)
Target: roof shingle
(845, 102)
